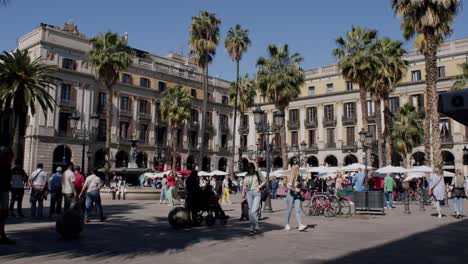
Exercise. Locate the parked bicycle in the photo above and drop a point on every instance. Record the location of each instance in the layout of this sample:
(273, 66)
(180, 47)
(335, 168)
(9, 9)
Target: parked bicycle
(319, 203)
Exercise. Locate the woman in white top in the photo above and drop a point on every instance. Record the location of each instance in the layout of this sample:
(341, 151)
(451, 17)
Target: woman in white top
(437, 190)
(253, 183)
(293, 198)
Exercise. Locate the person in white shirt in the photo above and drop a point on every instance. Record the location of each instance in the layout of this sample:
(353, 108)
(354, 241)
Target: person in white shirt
(38, 183)
(226, 191)
(92, 187)
(68, 187)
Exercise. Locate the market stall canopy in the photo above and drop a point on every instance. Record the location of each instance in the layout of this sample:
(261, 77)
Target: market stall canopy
(322, 169)
(152, 175)
(392, 169)
(203, 174)
(355, 167)
(241, 174)
(327, 175)
(218, 173)
(286, 173)
(424, 169)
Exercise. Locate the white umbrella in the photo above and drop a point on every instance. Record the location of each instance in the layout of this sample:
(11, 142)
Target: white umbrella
(424, 169)
(218, 173)
(392, 169)
(448, 174)
(322, 169)
(203, 173)
(327, 175)
(152, 175)
(242, 174)
(355, 167)
(414, 175)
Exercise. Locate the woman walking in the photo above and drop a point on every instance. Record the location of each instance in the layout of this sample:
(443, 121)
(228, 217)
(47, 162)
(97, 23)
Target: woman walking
(293, 198)
(163, 197)
(437, 190)
(226, 191)
(458, 193)
(253, 183)
(171, 186)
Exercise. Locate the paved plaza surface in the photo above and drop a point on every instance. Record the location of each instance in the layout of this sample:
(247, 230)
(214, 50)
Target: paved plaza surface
(138, 232)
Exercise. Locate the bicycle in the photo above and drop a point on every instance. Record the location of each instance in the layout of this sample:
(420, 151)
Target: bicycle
(319, 203)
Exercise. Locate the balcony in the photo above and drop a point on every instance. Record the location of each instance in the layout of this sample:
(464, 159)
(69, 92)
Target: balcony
(293, 125)
(65, 133)
(243, 149)
(312, 148)
(330, 145)
(224, 127)
(310, 123)
(349, 120)
(67, 102)
(349, 147)
(446, 141)
(371, 118)
(144, 115)
(223, 150)
(329, 122)
(193, 125)
(243, 130)
(125, 112)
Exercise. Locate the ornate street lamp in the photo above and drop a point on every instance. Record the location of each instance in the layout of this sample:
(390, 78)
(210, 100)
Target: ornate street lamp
(258, 116)
(278, 118)
(89, 155)
(366, 140)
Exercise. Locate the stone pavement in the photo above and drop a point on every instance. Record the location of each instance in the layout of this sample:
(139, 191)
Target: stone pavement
(137, 232)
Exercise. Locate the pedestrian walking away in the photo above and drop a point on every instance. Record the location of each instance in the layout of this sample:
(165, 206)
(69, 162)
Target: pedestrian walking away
(458, 193)
(92, 187)
(5, 185)
(18, 179)
(389, 183)
(253, 183)
(358, 181)
(163, 196)
(170, 191)
(55, 187)
(38, 183)
(68, 187)
(437, 191)
(78, 184)
(293, 198)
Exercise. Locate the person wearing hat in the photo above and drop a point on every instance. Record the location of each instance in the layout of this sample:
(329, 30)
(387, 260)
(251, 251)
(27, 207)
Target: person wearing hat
(55, 187)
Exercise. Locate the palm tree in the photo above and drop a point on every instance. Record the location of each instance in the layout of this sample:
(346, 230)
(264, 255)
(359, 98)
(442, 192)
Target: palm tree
(390, 70)
(204, 38)
(236, 44)
(406, 131)
(431, 19)
(279, 78)
(245, 91)
(109, 55)
(462, 79)
(176, 106)
(23, 83)
(357, 62)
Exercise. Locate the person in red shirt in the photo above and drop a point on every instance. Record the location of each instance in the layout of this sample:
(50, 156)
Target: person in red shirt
(171, 186)
(79, 182)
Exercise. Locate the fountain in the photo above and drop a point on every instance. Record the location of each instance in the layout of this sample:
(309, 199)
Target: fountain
(131, 172)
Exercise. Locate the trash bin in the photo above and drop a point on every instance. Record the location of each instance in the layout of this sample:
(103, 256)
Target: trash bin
(375, 200)
(360, 200)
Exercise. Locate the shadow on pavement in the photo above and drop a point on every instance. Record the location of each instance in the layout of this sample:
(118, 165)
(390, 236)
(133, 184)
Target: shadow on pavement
(446, 244)
(120, 236)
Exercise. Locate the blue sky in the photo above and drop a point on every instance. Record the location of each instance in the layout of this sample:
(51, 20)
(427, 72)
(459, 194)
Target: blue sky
(308, 26)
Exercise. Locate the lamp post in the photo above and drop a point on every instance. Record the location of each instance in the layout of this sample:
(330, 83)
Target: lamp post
(84, 133)
(366, 141)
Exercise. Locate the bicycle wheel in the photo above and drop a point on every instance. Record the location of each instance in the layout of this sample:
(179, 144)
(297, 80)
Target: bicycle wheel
(329, 211)
(335, 203)
(345, 207)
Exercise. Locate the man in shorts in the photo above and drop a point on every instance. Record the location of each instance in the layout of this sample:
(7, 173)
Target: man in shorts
(5, 184)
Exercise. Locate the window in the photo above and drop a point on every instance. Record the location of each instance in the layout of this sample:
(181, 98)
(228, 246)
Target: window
(444, 126)
(193, 139)
(245, 121)
(225, 100)
(143, 107)
(416, 76)
(244, 141)
(349, 86)
(124, 104)
(312, 114)
(102, 100)
(293, 116)
(311, 137)
(209, 97)
(193, 92)
(417, 101)
(68, 64)
(330, 136)
(294, 138)
(102, 129)
(143, 133)
(394, 103)
(123, 131)
(65, 94)
(350, 136)
(158, 111)
(224, 141)
(329, 87)
(223, 120)
(179, 137)
(370, 108)
(349, 110)
(311, 90)
(161, 135)
(329, 113)
(162, 86)
(145, 82)
(372, 131)
(194, 115)
(64, 122)
(127, 78)
(441, 72)
(209, 118)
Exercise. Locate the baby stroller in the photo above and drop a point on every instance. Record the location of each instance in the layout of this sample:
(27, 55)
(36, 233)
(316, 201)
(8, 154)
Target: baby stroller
(207, 208)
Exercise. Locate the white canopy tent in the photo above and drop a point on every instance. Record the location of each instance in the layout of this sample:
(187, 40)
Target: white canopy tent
(355, 167)
(203, 174)
(218, 173)
(423, 169)
(241, 174)
(392, 169)
(322, 169)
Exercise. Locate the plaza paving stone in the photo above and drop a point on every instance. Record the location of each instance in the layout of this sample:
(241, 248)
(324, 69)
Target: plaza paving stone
(138, 232)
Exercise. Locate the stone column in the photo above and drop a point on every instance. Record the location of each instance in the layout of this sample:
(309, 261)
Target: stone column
(320, 128)
(339, 124)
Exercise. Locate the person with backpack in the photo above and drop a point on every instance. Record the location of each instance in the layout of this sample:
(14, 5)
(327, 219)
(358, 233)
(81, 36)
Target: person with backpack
(18, 178)
(55, 187)
(253, 184)
(458, 193)
(38, 184)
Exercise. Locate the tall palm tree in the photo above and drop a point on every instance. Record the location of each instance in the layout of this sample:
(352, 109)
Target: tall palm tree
(462, 79)
(245, 91)
(429, 19)
(236, 44)
(406, 131)
(176, 106)
(390, 70)
(109, 56)
(357, 62)
(23, 82)
(204, 38)
(279, 78)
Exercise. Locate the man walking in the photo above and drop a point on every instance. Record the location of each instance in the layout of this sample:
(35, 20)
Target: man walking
(55, 186)
(92, 186)
(388, 191)
(274, 188)
(79, 182)
(38, 183)
(18, 178)
(68, 187)
(163, 196)
(358, 181)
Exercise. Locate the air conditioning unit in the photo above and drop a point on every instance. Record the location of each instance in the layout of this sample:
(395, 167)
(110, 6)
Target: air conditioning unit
(455, 105)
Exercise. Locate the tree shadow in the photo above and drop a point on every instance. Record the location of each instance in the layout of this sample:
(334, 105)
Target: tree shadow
(121, 236)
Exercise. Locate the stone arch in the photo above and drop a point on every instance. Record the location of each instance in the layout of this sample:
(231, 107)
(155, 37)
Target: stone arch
(206, 164)
(278, 162)
(222, 164)
(142, 159)
(350, 159)
(331, 161)
(397, 159)
(448, 161)
(61, 157)
(418, 157)
(312, 161)
(99, 158)
(121, 159)
(190, 162)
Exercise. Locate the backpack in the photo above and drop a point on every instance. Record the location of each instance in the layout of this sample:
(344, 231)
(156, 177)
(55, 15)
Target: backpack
(55, 182)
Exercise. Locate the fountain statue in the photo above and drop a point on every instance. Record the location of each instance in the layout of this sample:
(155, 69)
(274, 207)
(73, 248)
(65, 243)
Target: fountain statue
(133, 155)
